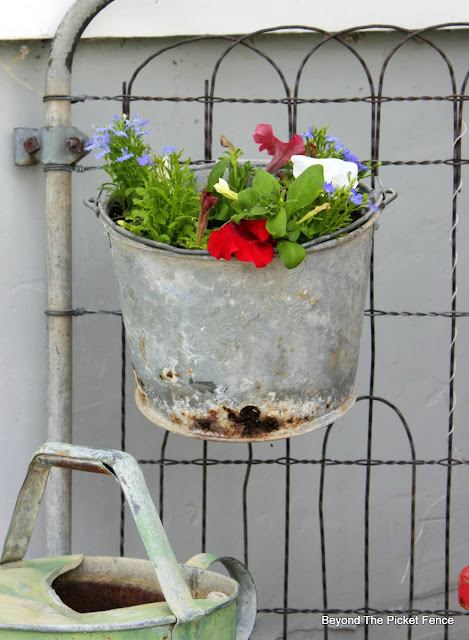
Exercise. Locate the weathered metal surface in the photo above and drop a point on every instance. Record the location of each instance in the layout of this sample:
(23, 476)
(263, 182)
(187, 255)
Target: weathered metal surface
(224, 351)
(61, 145)
(59, 271)
(77, 596)
(49, 145)
(26, 145)
(246, 603)
(130, 476)
(52, 595)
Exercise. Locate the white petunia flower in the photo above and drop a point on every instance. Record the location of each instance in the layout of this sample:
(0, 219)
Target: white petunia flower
(223, 188)
(339, 172)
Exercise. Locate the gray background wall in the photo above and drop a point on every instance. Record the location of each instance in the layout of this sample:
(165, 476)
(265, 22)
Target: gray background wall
(413, 272)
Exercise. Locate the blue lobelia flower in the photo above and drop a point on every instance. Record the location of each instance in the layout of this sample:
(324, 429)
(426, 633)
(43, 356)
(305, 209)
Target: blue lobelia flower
(356, 197)
(308, 135)
(138, 122)
(99, 141)
(125, 155)
(338, 146)
(101, 153)
(372, 206)
(351, 157)
(92, 144)
(329, 187)
(169, 149)
(145, 159)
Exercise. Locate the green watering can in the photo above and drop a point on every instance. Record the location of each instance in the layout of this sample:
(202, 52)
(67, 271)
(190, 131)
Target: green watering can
(99, 598)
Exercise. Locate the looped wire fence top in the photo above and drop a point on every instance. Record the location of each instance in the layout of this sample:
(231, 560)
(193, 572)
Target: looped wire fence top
(422, 464)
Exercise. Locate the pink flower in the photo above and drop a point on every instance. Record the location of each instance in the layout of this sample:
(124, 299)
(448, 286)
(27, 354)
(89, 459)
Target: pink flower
(281, 151)
(248, 241)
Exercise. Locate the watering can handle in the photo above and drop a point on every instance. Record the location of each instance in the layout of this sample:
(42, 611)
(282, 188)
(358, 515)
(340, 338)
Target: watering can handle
(246, 604)
(128, 473)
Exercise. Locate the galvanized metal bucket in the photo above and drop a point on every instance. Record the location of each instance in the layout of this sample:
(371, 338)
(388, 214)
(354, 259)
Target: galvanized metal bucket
(224, 351)
(93, 598)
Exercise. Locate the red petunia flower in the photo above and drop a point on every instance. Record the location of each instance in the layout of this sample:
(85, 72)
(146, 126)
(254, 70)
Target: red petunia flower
(248, 241)
(281, 151)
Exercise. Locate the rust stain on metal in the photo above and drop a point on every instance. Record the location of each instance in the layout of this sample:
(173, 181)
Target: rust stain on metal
(75, 144)
(140, 388)
(247, 423)
(87, 596)
(209, 422)
(68, 463)
(143, 347)
(32, 145)
(167, 374)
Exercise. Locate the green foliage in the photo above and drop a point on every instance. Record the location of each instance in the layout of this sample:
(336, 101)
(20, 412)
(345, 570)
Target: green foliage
(304, 191)
(166, 208)
(126, 176)
(158, 197)
(291, 253)
(297, 211)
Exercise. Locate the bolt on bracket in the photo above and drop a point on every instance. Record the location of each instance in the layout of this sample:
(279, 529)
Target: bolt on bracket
(48, 145)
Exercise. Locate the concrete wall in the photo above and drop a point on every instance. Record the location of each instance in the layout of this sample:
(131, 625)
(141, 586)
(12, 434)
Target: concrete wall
(413, 273)
(156, 18)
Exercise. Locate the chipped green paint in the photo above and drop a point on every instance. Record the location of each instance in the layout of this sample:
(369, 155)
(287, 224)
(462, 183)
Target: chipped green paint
(30, 609)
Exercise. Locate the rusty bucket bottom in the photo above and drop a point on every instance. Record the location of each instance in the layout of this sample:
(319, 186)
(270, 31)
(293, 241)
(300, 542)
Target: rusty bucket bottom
(100, 584)
(250, 423)
(86, 596)
(103, 584)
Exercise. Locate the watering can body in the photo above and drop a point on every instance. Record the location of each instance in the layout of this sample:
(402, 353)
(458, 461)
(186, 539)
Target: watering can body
(101, 598)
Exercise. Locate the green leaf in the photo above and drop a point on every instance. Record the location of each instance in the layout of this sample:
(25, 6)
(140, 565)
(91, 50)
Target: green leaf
(217, 172)
(259, 210)
(264, 183)
(248, 198)
(277, 225)
(238, 217)
(293, 235)
(304, 190)
(291, 253)
(222, 214)
(235, 206)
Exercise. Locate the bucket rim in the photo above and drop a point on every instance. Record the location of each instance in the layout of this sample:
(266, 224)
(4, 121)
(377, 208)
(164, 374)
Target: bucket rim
(342, 236)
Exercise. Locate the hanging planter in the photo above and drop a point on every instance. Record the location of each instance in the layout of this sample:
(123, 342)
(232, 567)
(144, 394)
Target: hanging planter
(82, 597)
(265, 346)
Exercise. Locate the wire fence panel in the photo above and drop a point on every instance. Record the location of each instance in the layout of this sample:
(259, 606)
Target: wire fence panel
(313, 515)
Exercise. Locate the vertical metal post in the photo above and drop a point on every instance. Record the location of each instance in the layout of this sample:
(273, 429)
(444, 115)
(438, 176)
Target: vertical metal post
(59, 272)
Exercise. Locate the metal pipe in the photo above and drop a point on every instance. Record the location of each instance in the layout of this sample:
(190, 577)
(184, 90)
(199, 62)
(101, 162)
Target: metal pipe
(59, 272)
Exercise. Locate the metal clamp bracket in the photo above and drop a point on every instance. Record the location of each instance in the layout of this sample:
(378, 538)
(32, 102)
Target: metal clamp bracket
(49, 145)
